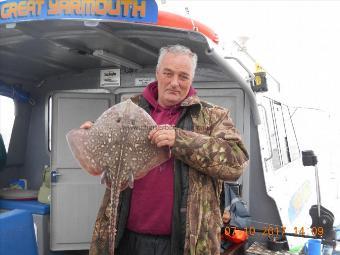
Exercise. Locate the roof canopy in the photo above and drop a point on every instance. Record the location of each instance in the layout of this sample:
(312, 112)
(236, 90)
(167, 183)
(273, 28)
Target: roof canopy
(35, 50)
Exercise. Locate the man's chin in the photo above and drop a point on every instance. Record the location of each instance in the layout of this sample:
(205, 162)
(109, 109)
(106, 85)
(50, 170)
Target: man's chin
(173, 101)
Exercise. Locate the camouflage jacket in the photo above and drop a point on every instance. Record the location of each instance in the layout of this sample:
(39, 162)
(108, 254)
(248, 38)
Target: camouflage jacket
(208, 150)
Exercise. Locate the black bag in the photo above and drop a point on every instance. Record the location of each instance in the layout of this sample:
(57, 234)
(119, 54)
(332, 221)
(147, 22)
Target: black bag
(3, 154)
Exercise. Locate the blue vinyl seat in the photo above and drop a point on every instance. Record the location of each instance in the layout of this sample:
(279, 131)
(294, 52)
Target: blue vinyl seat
(17, 233)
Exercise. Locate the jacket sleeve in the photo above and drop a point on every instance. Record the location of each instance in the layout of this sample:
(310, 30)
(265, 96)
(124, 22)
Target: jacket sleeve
(221, 154)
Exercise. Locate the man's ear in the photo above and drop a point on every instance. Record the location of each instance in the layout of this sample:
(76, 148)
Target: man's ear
(157, 73)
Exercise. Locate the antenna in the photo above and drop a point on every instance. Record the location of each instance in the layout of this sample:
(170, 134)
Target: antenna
(241, 42)
(187, 11)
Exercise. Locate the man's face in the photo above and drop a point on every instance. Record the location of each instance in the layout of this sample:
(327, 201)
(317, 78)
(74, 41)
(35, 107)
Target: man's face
(174, 76)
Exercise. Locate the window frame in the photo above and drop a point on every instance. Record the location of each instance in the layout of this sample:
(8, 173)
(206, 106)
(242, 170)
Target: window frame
(277, 132)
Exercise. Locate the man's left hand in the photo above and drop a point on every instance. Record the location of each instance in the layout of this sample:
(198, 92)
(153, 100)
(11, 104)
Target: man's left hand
(163, 135)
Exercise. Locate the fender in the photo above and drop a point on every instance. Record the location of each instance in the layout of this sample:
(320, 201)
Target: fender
(167, 19)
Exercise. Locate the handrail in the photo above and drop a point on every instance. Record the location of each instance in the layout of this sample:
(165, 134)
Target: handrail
(270, 142)
(252, 76)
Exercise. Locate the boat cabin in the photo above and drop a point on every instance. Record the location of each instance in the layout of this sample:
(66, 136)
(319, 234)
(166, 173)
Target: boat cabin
(63, 64)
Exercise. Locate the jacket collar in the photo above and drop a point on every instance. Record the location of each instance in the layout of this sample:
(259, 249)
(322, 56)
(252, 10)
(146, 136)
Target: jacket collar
(190, 101)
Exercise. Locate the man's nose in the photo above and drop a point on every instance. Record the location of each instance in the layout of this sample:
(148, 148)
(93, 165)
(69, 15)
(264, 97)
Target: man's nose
(174, 80)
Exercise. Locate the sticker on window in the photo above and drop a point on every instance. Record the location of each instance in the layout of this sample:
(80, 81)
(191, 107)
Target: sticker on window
(110, 78)
(143, 81)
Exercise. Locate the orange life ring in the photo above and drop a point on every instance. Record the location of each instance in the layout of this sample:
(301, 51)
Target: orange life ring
(168, 19)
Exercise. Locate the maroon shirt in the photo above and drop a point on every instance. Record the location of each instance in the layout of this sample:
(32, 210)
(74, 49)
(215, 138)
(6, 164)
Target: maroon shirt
(152, 197)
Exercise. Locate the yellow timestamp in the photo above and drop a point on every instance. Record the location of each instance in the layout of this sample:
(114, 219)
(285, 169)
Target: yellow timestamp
(316, 231)
(272, 231)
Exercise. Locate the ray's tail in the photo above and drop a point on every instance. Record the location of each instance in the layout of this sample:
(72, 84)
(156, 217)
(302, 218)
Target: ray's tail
(114, 200)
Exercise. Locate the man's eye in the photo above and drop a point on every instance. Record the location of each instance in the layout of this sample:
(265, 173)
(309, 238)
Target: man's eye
(183, 77)
(167, 74)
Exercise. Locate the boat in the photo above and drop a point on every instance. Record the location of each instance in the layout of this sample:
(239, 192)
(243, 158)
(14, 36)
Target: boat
(65, 62)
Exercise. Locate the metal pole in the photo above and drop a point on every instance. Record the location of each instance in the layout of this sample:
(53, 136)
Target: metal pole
(318, 196)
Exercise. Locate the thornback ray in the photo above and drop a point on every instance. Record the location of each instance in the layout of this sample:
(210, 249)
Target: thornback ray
(118, 144)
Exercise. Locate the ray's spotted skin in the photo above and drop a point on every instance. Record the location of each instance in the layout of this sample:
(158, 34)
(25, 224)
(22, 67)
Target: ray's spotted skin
(118, 144)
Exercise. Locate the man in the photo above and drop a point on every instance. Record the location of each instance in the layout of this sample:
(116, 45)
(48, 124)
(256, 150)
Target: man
(175, 208)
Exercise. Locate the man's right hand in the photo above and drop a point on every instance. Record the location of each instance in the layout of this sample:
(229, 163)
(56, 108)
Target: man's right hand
(86, 125)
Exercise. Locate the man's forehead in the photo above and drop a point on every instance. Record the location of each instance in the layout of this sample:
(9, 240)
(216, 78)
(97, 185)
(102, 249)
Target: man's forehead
(169, 62)
(171, 70)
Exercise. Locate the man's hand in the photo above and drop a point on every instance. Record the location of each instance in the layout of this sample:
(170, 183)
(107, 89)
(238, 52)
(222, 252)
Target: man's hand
(86, 125)
(226, 217)
(163, 135)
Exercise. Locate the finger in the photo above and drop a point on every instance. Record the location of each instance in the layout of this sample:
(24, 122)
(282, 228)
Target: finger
(158, 137)
(153, 132)
(86, 125)
(161, 134)
(162, 143)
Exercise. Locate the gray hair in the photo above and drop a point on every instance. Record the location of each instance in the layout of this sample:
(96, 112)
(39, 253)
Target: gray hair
(178, 50)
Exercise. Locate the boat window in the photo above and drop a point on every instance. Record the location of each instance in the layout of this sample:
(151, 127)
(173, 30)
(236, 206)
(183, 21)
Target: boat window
(268, 138)
(281, 133)
(278, 141)
(6, 119)
(293, 145)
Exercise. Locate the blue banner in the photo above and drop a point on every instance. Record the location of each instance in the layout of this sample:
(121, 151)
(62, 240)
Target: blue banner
(12, 11)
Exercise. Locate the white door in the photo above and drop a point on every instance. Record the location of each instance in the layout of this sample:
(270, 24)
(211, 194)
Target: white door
(76, 195)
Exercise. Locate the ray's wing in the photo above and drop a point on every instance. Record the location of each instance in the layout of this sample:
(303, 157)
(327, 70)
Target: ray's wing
(118, 138)
(139, 155)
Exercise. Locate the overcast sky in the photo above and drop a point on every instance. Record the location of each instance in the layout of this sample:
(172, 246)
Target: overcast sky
(296, 41)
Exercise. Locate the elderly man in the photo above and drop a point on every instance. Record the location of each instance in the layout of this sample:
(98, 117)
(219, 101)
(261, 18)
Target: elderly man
(175, 208)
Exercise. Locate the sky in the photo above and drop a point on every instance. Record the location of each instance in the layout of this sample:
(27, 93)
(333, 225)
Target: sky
(296, 41)
(6, 119)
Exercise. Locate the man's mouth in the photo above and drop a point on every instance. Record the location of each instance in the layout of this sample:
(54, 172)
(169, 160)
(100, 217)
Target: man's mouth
(173, 92)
